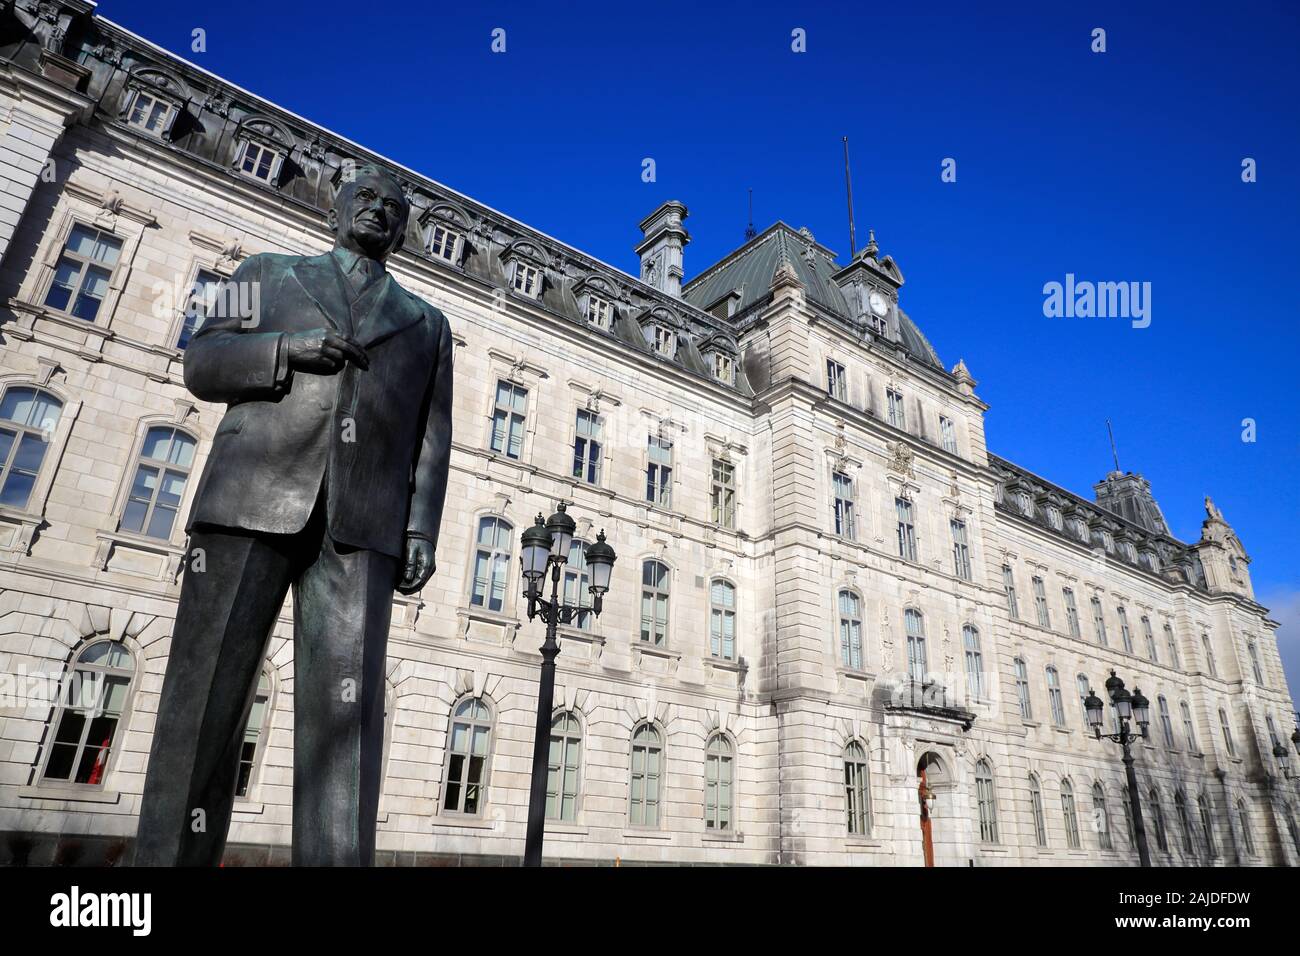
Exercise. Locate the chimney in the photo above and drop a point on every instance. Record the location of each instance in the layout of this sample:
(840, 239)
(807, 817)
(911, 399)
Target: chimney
(661, 248)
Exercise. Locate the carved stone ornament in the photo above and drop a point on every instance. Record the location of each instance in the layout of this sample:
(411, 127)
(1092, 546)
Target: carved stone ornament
(901, 457)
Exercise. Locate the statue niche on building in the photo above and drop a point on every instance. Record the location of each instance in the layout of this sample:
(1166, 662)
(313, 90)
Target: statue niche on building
(328, 475)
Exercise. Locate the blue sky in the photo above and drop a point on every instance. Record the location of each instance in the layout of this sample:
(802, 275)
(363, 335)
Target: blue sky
(1119, 166)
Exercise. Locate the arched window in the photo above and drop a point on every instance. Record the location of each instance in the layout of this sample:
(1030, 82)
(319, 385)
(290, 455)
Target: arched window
(28, 417)
(577, 581)
(1209, 655)
(850, 630)
(1070, 815)
(986, 797)
(1036, 806)
(91, 704)
(1184, 822)
(159, 482)
(1189, 726)
(468, 751)
(1207, 825)
(914, 625)
(562, 768)
(1166, 726)
(1227, 733)
(1101, 817)
(254, 735)
(491, 563)
(1054, 697)
(647, 770)
(655, 578)
(1022, 689)
(722, 619)
(1247, 831)
(970, 639)
(1158, 821)
(1098, 621)
(857, 789)
(718, 786)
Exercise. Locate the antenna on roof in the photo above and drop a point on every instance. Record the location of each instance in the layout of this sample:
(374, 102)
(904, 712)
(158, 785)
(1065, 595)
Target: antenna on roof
(1113, 452)
(749, 230)
(848, 184)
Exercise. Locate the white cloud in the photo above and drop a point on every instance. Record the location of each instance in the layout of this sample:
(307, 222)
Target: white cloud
(1284, 607)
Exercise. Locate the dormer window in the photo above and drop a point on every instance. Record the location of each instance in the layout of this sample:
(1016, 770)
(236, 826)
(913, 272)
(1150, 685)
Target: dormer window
(526, 279)
(442, 242)
(598, 311)
(150, 113)
(258, 161)
(724, 368)
(661, 339)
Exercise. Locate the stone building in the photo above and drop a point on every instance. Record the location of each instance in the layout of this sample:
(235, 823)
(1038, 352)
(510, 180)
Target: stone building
(826, 583)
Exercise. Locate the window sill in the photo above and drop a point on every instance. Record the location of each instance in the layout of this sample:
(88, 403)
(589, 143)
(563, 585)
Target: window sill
(248, 807)
(565, 829)
(467, 823)
(173, 555)
(634, 833)
(71, 794)
(723, 664)
(490, 617)
(713, 837)
(862, 843)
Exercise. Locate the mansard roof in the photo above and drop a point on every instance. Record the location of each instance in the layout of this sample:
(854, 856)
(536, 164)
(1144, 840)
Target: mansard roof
(746, 273)
(214, 116)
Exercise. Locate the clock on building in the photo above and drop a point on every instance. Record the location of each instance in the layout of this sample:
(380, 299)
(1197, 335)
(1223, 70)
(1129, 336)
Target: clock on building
(879, 304)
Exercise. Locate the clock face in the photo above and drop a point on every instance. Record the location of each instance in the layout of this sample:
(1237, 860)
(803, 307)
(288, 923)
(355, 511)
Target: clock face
(879, 304)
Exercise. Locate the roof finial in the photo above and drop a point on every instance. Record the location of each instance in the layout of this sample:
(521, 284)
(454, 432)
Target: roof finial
(1113, 452)
(749, 230)
(871, 248)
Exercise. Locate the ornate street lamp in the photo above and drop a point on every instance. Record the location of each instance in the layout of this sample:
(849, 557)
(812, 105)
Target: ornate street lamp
(1128, 707)
(546, 544)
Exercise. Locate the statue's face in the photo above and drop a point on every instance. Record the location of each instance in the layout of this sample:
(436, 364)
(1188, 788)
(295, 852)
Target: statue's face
(370, 214)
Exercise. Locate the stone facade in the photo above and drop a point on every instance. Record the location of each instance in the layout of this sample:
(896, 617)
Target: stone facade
(731, 369)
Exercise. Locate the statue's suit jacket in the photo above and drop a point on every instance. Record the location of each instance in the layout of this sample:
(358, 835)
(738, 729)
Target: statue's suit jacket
(382, 435)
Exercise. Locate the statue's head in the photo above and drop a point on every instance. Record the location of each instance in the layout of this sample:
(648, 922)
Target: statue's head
(370, 212)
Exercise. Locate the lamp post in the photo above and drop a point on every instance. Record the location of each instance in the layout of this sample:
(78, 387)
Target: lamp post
(546, 544)
(1128, 707)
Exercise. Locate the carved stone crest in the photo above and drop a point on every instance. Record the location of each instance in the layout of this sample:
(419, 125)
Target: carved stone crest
(901, 457)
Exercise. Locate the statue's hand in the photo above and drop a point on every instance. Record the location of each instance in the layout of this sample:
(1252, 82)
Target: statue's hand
(419, 565)
(324, 351)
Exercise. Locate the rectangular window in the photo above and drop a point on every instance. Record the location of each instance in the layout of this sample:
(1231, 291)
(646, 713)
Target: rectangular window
(659, 472)
(1022, 690)
(906, 529)
(1071, 612)
(258, 161)
(508, 419)
(1099, 621)
(844, 524)
(1040, 604)
(1009, 585)
(837, 381)
(960, 550)
(1125, 634)
(1149, 636)
(149, 113)
(897, 414)
(598, 311)
(527, 279)
(586, 447)
(722, 620)
(724, 368)
(83, 271)
(661, 339)
(947, 434)
(1054, 697)
(722, 499)
(442, 242)
(1172, 643)
(202, 298)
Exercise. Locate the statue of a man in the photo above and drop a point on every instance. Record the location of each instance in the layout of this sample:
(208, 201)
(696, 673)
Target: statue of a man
(327, 474)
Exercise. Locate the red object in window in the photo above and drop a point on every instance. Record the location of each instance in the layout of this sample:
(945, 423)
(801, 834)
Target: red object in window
(97, 771)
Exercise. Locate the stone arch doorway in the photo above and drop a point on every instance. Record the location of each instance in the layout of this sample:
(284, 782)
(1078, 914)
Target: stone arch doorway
(931, 777)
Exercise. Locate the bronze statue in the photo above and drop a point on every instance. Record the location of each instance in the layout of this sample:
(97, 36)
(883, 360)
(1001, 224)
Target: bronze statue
(327, 474)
